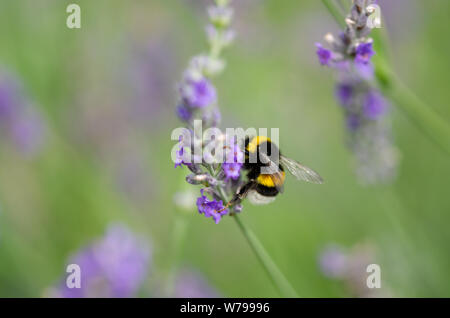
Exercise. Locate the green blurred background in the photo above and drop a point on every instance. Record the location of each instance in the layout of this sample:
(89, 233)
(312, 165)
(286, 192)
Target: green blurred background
(107, 94)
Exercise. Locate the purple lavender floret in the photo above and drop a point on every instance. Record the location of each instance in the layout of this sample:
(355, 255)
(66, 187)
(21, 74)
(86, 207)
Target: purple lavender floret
(323, 54)
(364, 53)
(344, 93)
(235, 154)
(183, 157)
(179, 161)
(365, 71)
(232, 170)
(234, 162)
(374, 105)
(184, 113)
(210, 208)
(198, 92)
(353, 43)
(114, 266)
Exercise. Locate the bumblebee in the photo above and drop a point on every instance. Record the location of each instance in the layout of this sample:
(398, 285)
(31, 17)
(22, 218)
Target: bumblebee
(265, 166)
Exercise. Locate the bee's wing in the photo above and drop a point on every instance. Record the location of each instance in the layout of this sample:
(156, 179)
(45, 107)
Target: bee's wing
(275, 172)
(299, 171)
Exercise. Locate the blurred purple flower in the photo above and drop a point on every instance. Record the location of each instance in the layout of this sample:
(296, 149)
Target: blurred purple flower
(364, 107)
(364, 53)
(365, 70)
(323, 54)
(27, 133)
(7, 102)
(349, 265)
(22, 122)
(374, 105)
(353, 43)
(191, 284)
(198, 92)
(333, 261)
(114, 266)
(353, 122)
(344, 93)
(184, 113)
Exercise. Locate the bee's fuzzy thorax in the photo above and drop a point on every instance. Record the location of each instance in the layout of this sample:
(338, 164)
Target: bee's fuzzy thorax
(253, 144)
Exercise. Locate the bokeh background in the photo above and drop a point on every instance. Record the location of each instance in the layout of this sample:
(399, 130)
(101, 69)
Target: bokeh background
(89, 148)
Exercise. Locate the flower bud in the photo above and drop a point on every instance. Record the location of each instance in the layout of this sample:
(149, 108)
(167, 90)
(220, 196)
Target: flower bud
(220, 16)
(195, 168)
(195, 178)
(237, 208)
(208, 66)
(204, 179)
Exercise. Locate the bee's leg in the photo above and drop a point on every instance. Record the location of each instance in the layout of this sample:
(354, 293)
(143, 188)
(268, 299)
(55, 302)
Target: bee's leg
(242, 192)
(240, 195)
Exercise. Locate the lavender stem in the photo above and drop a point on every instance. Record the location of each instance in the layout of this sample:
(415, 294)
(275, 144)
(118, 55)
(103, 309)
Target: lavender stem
(275, 274)
(277, 277)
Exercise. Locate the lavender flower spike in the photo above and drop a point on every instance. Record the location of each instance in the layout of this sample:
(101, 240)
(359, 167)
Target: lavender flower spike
(198, 101)
(114, 266)
(364, 107)
(198, 92)
(221, 179)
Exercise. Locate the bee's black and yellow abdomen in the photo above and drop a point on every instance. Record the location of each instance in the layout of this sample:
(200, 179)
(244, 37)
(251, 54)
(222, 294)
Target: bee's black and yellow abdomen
(266, 191)
(266, 185)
